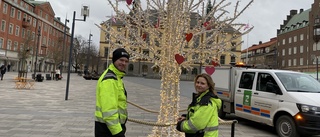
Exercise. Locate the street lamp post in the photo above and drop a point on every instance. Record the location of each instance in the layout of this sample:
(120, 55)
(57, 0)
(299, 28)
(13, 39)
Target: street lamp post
(38, 42)
(84, 13)
(88, 56)
(316, 38)
(64, 44)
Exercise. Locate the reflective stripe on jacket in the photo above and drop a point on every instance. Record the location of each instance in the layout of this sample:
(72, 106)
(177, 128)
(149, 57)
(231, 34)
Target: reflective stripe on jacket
(111, 100)
(202, 118)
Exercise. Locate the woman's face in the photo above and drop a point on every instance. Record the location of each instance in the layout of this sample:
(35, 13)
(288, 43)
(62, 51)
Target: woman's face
(201, 85)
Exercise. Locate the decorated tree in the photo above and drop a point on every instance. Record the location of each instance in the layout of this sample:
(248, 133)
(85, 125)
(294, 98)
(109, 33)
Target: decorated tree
(178, 33)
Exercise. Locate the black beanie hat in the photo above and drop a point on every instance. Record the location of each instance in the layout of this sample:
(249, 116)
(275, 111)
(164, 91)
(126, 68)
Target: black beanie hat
(118, 53)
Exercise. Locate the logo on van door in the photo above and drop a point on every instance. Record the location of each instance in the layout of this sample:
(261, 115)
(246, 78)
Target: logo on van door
(247, 97)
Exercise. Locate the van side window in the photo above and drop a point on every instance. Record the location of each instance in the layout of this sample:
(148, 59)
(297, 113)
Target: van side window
(246, 80)
(263, 78)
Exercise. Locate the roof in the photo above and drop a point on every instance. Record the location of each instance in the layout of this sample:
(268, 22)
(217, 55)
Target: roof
(266, 44)
(298, 21)
(36, 2)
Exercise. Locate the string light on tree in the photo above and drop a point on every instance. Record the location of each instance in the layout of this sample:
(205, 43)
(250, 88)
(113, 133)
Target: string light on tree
(179, 36)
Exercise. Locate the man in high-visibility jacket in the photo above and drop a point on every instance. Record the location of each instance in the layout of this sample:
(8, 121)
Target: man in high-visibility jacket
(202, 119)
(111, 98)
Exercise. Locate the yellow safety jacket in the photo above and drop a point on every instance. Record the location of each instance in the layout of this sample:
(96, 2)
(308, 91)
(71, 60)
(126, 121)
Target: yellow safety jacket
(111, 100)
(202, 119)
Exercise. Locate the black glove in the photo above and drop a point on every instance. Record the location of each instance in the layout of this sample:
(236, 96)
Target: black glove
(178, 127)
(120, 134)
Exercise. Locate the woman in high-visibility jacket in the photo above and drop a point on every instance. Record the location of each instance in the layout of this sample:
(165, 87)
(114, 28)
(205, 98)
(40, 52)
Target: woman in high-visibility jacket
(202, 119)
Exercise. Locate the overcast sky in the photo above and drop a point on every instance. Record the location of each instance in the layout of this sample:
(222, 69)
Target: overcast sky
(265, 15)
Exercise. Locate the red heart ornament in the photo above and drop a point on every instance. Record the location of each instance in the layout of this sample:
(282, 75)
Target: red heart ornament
(189, 36)
(144, 36)
(129, 2)
(207, 25)
(210, 70)
(214, 63)
(179, 58)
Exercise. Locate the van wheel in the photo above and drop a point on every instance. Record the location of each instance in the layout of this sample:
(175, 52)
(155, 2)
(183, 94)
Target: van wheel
(286, 127)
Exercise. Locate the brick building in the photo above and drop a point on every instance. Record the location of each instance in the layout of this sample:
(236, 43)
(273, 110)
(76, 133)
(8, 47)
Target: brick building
(20, 21)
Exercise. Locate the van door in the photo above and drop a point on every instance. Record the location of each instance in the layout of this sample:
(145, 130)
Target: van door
(264, 102)
(243, 94)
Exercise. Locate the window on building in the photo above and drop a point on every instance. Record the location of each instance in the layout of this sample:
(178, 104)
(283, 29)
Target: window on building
(294, 62)
(34, 22)
(1, 43)
(40, 12)
(3, 25)
(12, 12)
(19, 15)
(301, 37)
(294, 50)
(289, 62)
(301, 61)
(283, 41)
(222, 59)
(283, 52)
(233, 59)
(289, 51)
(290, 40)
(10, 28)
(21, 3)
(33, 36)
(23, 33)
(21, 46)
(15, 47)
(295, 39)
(17, 30)
(9, 44)
(301, 49)
(106, 52)
(5, 8)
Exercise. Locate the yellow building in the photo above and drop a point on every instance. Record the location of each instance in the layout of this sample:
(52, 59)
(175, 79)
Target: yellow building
(142, 67)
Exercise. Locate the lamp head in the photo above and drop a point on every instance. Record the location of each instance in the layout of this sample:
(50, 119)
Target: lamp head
(85, 11)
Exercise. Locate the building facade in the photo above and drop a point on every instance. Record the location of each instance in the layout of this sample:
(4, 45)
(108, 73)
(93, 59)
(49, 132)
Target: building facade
(143, 67)
(296, 45)
(262, 55)
(20, 24)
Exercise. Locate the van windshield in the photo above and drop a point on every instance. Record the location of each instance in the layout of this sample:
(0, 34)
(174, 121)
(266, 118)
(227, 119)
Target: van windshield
(298, 82)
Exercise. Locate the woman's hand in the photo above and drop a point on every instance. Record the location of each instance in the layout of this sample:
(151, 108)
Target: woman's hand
(181, 118)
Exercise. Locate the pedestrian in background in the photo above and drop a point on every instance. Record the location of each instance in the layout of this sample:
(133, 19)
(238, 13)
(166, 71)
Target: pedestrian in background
(111, 98)
(202, 119)
(57, 74)
(3, 70)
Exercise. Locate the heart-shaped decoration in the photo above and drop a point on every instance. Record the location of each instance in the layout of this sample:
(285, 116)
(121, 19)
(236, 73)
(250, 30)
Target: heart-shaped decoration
(214, 63)
(144, 36)
(206, 24)
(129, 2)
(179, 58)
(210, 70)
(189, 36)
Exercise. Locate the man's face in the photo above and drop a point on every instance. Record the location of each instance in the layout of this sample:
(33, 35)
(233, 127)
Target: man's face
(121, 64)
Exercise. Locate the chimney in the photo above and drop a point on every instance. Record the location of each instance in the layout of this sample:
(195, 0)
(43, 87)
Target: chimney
(260, 42)
(293, 12)
(58, 18)
(301, 10)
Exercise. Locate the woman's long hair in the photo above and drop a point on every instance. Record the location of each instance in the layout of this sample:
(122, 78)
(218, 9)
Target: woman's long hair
(209, 80)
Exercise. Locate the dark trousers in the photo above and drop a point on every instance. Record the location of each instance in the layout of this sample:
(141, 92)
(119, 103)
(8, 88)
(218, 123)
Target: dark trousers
(101, 130)
(1, 76)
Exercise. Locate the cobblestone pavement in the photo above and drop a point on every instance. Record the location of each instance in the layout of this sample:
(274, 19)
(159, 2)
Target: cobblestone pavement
(44, 112)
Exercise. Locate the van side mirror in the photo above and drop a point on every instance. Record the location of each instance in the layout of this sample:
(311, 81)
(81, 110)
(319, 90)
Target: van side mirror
(273, 88)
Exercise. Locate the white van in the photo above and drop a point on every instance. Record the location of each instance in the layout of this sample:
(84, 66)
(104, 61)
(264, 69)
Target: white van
(286, 100)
